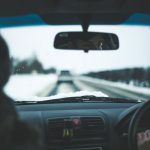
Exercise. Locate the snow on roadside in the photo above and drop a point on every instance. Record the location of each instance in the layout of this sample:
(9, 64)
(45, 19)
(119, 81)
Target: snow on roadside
(124, 86)
(142, 90)
(22, 87)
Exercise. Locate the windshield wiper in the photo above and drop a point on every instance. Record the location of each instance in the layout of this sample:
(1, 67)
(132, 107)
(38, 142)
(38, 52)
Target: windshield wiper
(81, 99)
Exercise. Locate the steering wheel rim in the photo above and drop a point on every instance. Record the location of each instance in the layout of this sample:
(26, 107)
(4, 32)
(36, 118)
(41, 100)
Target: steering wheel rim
(133, 125)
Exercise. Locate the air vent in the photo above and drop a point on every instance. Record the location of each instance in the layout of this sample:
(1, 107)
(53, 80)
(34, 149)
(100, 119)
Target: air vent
(93, 123)
(55, 128)
(76, 133)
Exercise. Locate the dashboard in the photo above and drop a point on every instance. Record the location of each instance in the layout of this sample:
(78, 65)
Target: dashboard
(80, 126)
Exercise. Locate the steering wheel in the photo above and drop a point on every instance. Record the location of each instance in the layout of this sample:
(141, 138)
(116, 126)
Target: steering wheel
(134, 123)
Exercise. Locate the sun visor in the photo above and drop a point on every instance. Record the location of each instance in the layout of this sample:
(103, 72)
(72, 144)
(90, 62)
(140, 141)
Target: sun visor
(25, 7)
(112, 19)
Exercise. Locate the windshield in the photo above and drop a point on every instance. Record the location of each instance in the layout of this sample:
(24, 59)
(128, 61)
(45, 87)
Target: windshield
(39, 70)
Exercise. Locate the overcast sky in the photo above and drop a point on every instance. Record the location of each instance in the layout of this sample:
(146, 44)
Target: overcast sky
(134, 48)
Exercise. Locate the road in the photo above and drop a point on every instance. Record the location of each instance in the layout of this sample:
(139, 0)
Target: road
(83, 85)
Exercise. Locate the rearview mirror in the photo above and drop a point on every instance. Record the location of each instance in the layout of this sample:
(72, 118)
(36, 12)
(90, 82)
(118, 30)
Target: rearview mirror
(86, 41)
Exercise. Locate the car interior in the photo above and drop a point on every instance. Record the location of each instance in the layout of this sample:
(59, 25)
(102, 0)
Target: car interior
(108, 105)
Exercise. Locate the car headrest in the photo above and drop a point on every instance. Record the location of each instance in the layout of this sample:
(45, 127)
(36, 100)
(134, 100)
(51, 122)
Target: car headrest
(4, 63)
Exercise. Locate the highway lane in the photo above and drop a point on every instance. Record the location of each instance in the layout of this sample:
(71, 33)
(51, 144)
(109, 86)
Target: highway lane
(81, 85)
(64, 88)
(113, 91)
(108, 91)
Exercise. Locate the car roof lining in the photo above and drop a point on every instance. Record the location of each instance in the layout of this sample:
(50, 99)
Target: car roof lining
(24, 7)
(58, 12)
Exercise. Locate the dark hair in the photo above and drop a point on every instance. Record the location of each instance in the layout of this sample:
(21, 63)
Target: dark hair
(4, 63)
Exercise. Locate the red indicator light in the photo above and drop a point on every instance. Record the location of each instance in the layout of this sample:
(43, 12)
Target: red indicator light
(76, 121)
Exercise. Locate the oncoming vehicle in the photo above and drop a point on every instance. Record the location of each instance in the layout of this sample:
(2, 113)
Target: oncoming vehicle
(100, 98)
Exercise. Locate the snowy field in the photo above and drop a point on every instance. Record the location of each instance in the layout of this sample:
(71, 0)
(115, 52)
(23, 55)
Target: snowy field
(22, 87)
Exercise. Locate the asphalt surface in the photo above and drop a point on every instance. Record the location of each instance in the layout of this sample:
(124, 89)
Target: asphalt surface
(79, 85)
(64, 88)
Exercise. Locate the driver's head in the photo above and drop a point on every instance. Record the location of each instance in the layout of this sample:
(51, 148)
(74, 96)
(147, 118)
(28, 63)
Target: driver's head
(4, 63)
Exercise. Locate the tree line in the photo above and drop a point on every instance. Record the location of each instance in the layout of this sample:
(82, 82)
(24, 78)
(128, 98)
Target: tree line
(29, 66)
(135, 76)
